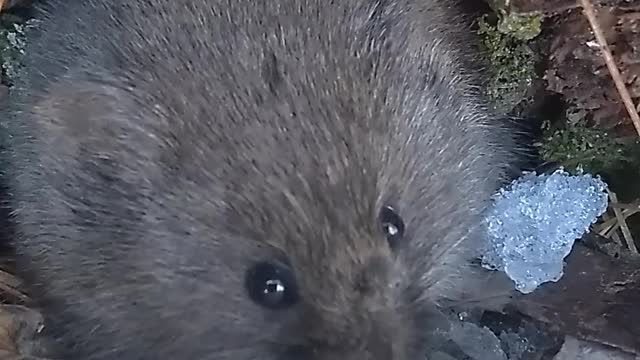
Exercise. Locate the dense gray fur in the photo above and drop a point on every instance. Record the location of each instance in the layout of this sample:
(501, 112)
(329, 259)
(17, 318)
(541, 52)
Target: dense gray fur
(159, 148)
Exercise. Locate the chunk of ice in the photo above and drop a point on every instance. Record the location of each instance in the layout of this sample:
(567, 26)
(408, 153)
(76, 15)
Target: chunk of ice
(535, 221)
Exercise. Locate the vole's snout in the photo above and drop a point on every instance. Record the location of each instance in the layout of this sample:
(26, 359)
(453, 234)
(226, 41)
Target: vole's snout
(383, 340)
(362, 321)
(372, 280)
(368, 339)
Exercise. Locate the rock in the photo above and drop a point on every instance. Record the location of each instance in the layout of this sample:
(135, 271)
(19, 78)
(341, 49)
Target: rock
(574, 349)
(597, 299)
(19, 330)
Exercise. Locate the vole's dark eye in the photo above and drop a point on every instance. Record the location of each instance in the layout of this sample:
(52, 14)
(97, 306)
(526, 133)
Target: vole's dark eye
(272, 286)
(392, 225)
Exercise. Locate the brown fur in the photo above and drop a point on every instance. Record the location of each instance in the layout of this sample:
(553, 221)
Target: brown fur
(159, 148)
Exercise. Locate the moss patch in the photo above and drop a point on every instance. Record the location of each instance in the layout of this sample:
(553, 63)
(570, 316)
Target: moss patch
(512, 62)
(577, 145)
(12, 45)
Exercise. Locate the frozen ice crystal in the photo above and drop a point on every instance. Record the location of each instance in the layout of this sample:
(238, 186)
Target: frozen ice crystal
(535, 221)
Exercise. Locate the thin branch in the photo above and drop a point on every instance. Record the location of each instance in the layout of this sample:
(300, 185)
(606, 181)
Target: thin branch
(589, 11)
(610, 232)
(609, 225)
(626, 233)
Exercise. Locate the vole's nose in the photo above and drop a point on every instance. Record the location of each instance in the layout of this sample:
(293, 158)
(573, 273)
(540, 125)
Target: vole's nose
(373, 276)
(383, 343)
(361, 321)
(367, 337)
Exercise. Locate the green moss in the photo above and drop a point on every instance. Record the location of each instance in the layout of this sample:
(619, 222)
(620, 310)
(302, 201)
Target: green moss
(579, 146)
(12, 45)
(521, 27)
(511, 60)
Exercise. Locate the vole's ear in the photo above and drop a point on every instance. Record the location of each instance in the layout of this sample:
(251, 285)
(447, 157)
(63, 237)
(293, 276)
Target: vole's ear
(81, 120)
(72, 112)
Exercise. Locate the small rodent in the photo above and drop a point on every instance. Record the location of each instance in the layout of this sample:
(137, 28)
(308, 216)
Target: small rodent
(242, 179)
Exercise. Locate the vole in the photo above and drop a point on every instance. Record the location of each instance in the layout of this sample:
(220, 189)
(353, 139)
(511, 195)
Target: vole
(236, 180)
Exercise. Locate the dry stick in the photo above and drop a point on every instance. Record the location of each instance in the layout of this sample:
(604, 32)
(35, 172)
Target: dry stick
(623, 225)
(610, 232)
(608, 225)
(616, 237)
(613, 233)
(629, 206)
(14, 292)
(9, 279)
(611, 64)
(628, 210)
(10, 283)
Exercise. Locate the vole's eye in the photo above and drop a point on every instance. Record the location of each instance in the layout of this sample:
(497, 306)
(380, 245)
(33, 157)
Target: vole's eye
(272, 286)
(392, 225)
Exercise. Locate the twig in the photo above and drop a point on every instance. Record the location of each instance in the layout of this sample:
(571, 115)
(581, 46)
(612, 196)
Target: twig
(626, 233)
(13, 292)
(9, 284)
(589, 11)
(615, 237)
(610, 231)
(9, 279)
(630, 206)
(609, 225)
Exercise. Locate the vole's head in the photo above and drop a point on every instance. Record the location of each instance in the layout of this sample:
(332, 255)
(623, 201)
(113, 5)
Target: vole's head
(268, 209)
